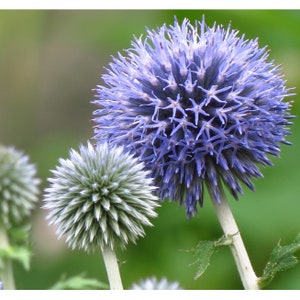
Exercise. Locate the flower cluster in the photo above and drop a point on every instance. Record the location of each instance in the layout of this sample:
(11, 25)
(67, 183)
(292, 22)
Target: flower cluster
(18, 186)
(100, 197)
(153, 283)
(198, 105)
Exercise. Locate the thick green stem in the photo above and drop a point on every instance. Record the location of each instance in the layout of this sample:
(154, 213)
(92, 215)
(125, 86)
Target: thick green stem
(112, 268)
(230, 228)
(6, 268)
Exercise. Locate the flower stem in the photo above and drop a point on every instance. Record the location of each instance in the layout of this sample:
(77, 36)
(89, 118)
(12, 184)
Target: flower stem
(230, 228)
(112, 268)
(6, 268)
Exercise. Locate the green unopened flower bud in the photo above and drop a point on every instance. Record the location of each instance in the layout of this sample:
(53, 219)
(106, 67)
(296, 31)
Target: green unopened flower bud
(100, 197)
(18, 186)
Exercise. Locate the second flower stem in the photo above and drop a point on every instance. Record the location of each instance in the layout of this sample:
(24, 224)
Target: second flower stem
(112, 268)
(230, 228)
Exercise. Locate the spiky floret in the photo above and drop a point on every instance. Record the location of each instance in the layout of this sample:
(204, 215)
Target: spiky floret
(152, 283)
(18, 186)
(199, 105)
(100, 197)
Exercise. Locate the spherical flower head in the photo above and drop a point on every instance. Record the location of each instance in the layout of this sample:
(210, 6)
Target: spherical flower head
(199, 105)
(153, 283)
(100, 197)
(18, 186)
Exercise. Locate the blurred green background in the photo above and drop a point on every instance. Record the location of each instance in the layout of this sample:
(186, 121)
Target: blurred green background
(49, 63)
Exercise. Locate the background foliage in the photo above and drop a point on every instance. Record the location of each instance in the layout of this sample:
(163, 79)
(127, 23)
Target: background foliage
(49, 63)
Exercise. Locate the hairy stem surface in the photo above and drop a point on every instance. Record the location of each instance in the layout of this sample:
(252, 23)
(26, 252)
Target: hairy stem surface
(230, 228)
(112, 268)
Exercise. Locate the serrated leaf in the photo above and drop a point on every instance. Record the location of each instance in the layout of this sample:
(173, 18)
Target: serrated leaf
(79, 282)
(281, 259)
(204, 251)
(17, 253)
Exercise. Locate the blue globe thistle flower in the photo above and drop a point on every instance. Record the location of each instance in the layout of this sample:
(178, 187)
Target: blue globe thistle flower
(100, 197)
(199, 105)
(19, 186)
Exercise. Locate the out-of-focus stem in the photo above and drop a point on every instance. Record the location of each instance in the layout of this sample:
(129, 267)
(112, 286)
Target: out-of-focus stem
(6, 268)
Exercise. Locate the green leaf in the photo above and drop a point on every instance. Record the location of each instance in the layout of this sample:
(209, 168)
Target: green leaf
(17, 253)
(79, 282)
(204, 251)
(19, 235)
(281, 259)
